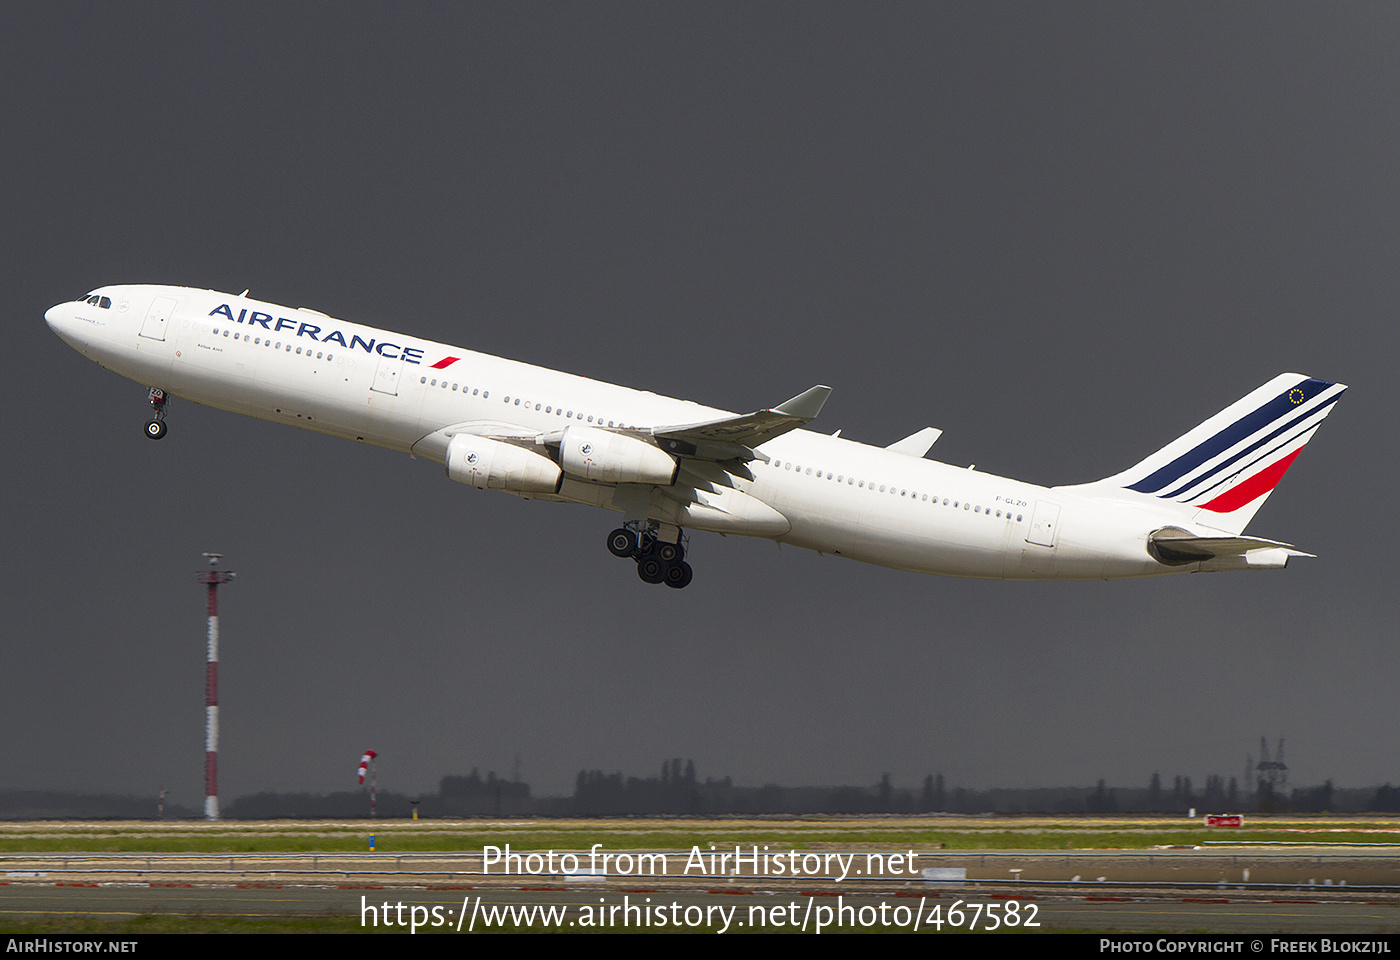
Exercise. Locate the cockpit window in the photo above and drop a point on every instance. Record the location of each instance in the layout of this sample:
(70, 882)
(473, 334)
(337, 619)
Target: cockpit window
(99, 301)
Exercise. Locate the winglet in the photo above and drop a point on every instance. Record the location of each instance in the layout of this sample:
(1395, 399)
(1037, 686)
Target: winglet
(917, 444)
(806, 404)
(736, 437)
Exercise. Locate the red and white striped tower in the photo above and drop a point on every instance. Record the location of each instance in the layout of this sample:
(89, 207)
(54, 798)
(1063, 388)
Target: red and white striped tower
(212, 578)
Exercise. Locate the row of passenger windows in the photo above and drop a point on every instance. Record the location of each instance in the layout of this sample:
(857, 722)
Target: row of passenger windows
(260, 342)
(893, 490)
(518, 402)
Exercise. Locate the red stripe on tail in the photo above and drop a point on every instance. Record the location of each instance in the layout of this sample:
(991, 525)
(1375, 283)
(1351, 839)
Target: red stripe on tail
(1253, 488)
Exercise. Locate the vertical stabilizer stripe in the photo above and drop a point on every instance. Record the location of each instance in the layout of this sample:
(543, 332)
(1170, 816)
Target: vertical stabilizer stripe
(1253, 488)
(1241, 429)
(1224, 465)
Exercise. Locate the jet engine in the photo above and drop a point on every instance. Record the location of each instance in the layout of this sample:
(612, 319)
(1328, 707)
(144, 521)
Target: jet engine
(606, 457)
(492, 465)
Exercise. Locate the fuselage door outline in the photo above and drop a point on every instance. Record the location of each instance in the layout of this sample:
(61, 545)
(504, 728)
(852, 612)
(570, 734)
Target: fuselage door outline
(153, 327)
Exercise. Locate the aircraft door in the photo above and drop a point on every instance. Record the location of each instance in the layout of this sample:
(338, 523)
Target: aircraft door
(153, 326)
(1044, 523)
(386, 376)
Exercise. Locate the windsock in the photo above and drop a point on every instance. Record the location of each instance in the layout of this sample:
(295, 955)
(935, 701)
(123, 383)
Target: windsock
(364, 763)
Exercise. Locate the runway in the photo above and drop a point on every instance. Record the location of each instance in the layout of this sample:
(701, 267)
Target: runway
(1299, 891)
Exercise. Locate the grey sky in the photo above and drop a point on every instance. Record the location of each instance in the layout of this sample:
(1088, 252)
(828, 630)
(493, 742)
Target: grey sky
(1063, 233)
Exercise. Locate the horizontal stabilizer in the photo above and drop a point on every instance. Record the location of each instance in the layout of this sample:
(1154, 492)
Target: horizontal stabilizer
(1174, 547)
(735, 437)
(917, 444)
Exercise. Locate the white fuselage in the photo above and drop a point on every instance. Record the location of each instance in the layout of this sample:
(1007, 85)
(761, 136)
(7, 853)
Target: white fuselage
(833, 495)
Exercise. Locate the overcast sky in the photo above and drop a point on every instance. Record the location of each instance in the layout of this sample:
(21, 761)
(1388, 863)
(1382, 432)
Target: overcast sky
(1063, 233)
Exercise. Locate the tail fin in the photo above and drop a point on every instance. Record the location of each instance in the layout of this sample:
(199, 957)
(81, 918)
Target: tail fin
(1227, 467)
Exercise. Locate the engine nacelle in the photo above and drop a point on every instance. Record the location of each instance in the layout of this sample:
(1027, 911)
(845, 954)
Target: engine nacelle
(492, 465)
(605, 457)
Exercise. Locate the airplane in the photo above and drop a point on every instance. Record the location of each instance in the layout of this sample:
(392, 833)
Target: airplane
(670, 465)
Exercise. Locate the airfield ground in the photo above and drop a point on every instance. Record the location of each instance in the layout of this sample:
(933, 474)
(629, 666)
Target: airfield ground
(1131, 874)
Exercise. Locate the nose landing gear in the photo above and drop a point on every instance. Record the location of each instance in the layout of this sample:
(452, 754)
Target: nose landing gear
(657, 561)
(155, 427)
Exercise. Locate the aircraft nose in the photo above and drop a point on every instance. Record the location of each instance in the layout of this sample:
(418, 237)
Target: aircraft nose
(60, 321)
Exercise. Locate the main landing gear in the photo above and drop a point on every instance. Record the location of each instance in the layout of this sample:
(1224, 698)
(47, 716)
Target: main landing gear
(657, 562)
(155, 427)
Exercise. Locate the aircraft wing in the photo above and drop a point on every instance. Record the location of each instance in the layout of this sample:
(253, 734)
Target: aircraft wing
(434, 445)
(735, 437)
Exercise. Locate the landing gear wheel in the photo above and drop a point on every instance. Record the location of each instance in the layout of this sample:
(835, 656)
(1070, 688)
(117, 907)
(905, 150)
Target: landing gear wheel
(651, 570)
(678, 575)
(670, 552)
(622, 542)
(155, 427)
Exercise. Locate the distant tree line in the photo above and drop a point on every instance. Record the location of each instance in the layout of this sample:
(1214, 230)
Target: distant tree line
(677, 790)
